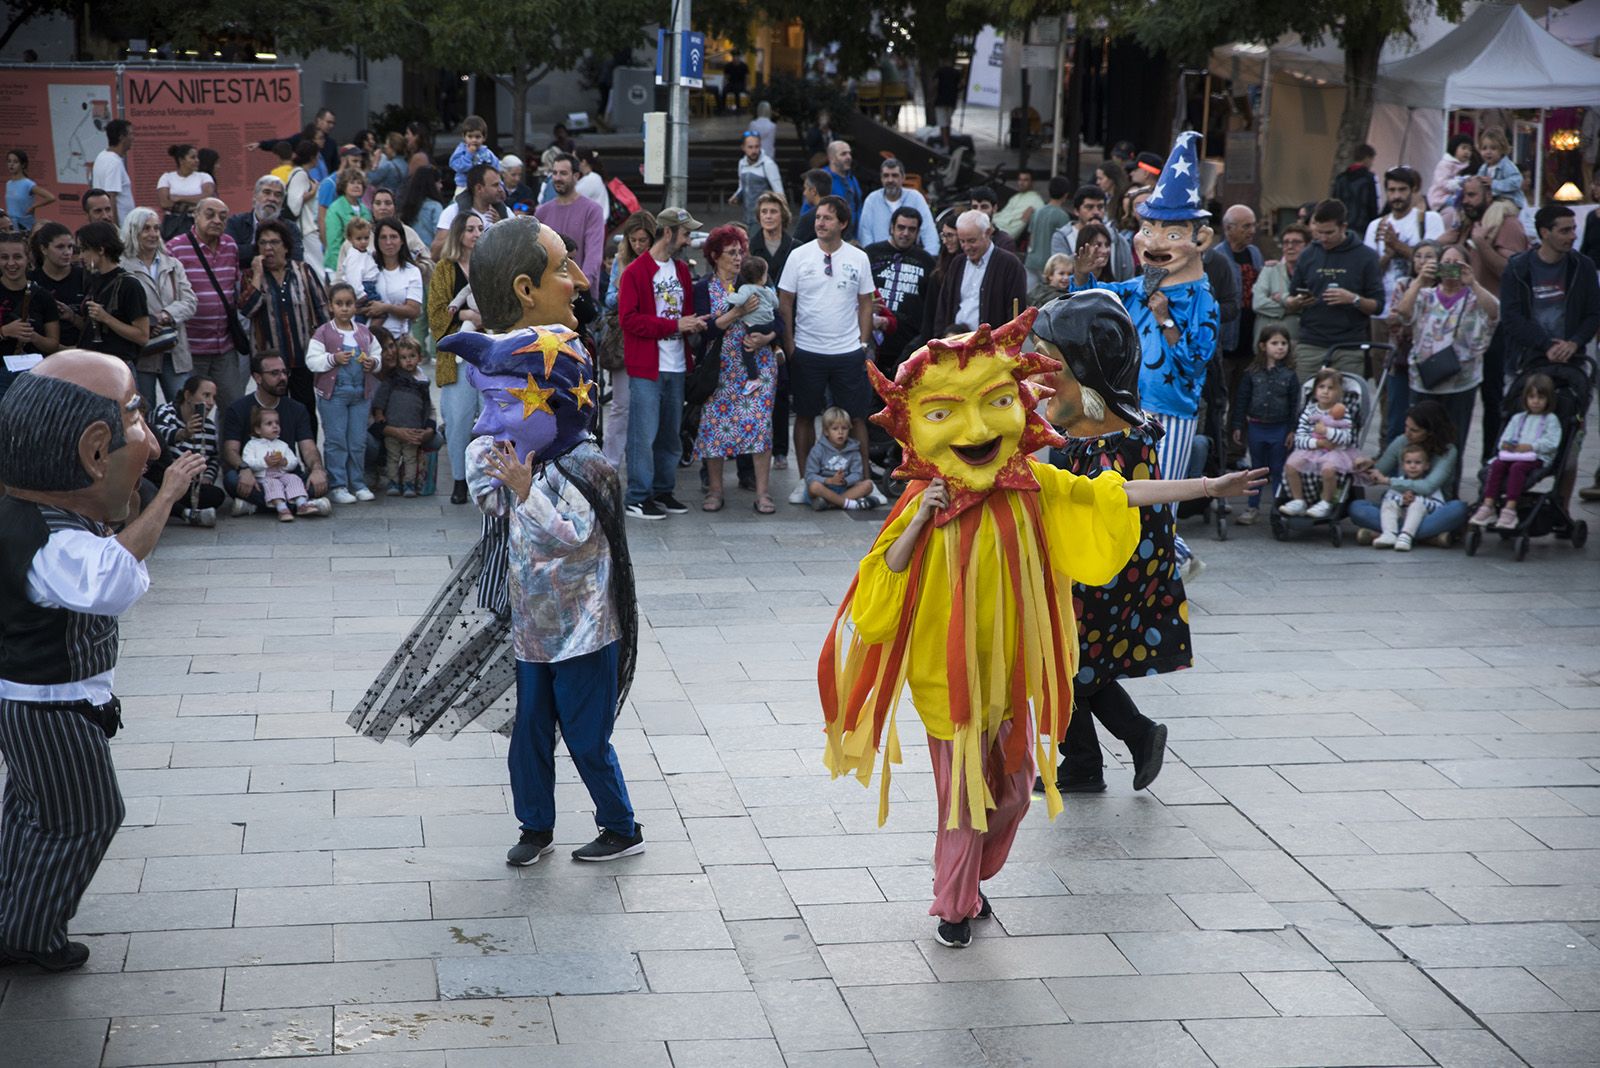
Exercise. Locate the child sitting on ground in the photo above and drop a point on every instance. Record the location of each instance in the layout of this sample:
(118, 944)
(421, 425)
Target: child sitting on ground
(274, 464)
(1322, 442)
(762, 320)
(1402, 511)
(1531, 438)
(403, 404)
(834, 475)
(1263, 414)
(472, 150)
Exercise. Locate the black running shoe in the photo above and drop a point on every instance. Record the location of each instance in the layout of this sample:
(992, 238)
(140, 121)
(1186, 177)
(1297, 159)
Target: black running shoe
(612, 846)
(984, 909)
(646, 510)
(954, 935)
(528, 850)
(669, 503)
(70, 956)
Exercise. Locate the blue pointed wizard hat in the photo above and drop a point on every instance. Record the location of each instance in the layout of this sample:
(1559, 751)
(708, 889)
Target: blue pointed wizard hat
(1177, 191)
(538, 387)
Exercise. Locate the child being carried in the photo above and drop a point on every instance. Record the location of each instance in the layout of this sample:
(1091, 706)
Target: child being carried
(763, 319)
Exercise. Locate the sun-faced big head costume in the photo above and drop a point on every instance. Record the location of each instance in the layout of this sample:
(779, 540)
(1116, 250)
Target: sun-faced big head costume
(980, 622)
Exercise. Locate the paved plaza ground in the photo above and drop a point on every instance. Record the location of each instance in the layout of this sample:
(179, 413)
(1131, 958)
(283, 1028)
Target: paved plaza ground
(1376, 840)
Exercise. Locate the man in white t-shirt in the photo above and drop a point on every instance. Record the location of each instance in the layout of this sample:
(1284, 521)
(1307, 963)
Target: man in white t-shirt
(488, 196)
(655, 308)
(1396, 234)
(111, 166)
(825, 300)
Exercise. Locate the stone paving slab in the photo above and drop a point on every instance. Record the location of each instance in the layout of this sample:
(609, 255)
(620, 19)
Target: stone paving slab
(1376, 840)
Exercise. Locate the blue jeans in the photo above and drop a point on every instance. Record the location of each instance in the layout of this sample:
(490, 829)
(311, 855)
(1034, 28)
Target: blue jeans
(1398, 395)
(581, 695)
(655, 417)
(170, 381)
(1451, 517)
(1268, 449)
(459, 405)
(344, 440)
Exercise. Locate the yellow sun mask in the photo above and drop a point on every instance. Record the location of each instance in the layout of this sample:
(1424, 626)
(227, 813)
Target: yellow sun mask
(964, 411)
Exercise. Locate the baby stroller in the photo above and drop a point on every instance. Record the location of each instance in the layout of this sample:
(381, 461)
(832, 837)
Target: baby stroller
(1361, 407)
(1207, 456)
(1540, 510)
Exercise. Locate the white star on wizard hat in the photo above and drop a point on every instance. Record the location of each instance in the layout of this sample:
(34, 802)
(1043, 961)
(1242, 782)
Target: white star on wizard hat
(1177, 191)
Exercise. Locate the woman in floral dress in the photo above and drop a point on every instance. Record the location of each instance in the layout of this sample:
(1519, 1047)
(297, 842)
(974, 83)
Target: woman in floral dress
(734, 422)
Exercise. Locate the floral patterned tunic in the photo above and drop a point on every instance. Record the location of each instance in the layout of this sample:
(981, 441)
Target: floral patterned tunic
(733, 422)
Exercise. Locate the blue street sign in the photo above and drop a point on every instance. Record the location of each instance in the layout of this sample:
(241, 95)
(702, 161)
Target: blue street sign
(694, 58)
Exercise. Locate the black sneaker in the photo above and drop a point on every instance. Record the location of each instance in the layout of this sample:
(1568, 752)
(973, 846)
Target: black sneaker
(1072, 786)
(530, 847)
(954, 935)
(671, 504)
(646, 510)
(70, 956)
(611, 846)
(1147, 761)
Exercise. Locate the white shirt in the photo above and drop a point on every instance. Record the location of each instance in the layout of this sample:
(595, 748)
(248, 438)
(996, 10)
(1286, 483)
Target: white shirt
(81, 572)
(357, 267)
(877, 218)
(669, 305)
(972, 290)
(111, 174)
(179, 186)
(827, 318)
(1414, 227)
(396, 285)
(593, 186)
(452, 209)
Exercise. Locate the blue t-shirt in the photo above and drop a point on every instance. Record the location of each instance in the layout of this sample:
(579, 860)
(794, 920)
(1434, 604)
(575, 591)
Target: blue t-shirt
(19, 201)
(326, 194)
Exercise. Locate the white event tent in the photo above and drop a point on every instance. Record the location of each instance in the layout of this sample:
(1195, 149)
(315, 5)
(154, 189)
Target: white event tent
(1578, 25)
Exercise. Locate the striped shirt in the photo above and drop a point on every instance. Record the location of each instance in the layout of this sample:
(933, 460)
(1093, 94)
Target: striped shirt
(285, 314)
(208, 329)
(168, 424)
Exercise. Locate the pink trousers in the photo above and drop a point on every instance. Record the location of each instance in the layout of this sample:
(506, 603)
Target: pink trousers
(963, 858)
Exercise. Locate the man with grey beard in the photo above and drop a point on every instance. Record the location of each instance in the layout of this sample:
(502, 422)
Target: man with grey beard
(267, 204)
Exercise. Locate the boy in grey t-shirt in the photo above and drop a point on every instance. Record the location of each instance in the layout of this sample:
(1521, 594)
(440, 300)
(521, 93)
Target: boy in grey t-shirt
(834, 477)
(763, 320)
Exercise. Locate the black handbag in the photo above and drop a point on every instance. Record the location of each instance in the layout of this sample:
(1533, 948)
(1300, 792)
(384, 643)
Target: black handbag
(702, 381)
(237, 334)
(1441, 365)
(161, 342)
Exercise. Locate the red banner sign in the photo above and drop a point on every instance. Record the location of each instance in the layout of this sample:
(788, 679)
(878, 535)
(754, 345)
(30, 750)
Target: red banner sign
(218, 109)
(58, 117)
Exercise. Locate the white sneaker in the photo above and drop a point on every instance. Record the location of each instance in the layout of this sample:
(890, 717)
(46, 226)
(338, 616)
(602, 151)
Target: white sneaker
(798, 494)
(877, 497)
(1192, 568)
(1402, 544)
(238, 506)
(1293, 507)
(322, 505)
(1320, 510)
(342, 496)
(1385, 541)
(364, 494)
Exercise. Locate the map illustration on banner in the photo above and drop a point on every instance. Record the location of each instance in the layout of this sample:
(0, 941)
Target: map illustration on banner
(78, 117)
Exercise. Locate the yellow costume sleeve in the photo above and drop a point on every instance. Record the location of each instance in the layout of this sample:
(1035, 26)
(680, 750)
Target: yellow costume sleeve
(880, 593)
(1092, 529)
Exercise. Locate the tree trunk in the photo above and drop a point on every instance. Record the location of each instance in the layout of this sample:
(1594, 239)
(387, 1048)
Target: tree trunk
(1363, 44)
(518, 86)
(24, 13)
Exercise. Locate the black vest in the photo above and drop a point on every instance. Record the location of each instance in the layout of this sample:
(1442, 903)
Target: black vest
(45, 646)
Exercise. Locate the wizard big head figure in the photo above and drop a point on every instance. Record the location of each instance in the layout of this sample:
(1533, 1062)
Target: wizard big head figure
(1173, 312)
(72, 447)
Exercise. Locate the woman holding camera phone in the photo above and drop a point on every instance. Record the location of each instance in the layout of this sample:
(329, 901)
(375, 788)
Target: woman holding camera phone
(188, 424)
(1452, 318)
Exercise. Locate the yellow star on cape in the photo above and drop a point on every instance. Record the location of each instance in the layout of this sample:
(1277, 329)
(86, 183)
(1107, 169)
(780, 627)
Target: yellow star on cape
(533, 398)
(551, 346)
(581, 391)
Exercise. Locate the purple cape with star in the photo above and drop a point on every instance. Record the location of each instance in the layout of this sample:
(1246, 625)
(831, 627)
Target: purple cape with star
(538, 387)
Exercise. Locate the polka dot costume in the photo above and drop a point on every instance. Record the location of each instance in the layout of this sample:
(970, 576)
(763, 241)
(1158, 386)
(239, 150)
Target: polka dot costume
(1138, 624)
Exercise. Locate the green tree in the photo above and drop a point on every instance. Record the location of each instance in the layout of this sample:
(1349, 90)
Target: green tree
(1188, 30)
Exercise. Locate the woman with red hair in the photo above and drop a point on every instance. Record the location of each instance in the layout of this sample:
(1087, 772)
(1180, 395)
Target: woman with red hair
(737, 420)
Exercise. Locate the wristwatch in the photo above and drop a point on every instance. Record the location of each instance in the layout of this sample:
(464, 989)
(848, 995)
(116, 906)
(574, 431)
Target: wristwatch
(1168, 323)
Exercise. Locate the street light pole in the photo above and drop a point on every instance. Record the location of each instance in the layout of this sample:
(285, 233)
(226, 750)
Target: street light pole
(678, 110)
